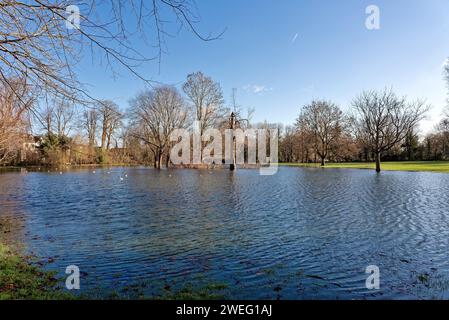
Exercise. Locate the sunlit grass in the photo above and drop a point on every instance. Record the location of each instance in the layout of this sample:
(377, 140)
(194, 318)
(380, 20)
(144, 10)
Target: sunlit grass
(21, 280)
(430, 166)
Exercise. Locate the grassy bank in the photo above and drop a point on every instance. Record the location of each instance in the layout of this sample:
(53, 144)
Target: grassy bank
(416, 166)
(20, 280)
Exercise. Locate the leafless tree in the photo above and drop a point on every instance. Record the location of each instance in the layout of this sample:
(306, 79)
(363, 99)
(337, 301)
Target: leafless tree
(114, 125)
(324, 121)
(90, 123)
(42, 40)
(64, 116)
(383, 120)
(110, 120)
(446, 114)
(243, 120)
(57, 115)
(287, 145)
(14, 120)
(156, 114)
(207, 98)
(443, 132)
(47, 116)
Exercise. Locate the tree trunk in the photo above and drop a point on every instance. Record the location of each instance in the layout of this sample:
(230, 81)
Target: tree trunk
(377, 161)
(103, 139)
(155, 160)
(322, 161)
(159, 160)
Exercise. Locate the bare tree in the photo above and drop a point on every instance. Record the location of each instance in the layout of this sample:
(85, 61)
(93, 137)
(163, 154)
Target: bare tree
(156, 114)
(41, 40)
(47, 116)
(305, 143)
(443, 131)
(64, 114)
(324, 121)
(287, 145)
(243, 121)
(110, 119)
(14, 121)
(90, 123)
(207, 98)
(115, 123)
(383, 120)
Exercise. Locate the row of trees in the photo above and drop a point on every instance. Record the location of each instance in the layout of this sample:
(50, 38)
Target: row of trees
(101, 132)
(42, 42)
(154, 115)
(380, 125)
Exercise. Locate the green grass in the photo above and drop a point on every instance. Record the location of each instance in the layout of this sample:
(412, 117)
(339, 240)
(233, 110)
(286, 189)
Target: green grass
(212, 291)
(20, 280)
(416, 166)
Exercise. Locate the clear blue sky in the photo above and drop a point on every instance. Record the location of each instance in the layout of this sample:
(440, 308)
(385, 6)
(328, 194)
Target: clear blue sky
(281, 54)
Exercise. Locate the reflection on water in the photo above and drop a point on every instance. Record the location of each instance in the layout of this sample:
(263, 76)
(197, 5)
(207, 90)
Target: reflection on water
(12, 218)
(302, 233)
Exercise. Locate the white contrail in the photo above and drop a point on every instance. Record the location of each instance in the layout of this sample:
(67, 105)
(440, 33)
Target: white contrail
(295, 37)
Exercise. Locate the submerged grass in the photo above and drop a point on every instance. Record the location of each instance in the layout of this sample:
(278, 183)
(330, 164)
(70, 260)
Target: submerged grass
(20, 280)
(414, 166)
(212, 291)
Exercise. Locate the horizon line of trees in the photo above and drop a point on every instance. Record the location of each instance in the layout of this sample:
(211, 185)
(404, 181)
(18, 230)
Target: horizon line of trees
(42, 42)
(102, 133)
(380, 126)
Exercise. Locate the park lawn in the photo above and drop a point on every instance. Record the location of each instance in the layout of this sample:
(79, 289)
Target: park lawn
(425, 166)
(20, 280)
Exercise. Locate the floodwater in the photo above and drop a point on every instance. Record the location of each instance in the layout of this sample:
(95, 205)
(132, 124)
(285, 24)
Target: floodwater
(299, 234)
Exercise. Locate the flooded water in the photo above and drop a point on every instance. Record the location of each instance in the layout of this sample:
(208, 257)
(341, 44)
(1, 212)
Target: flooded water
(300, 234)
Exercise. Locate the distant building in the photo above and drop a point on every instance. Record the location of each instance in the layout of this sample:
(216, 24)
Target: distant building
(29, 149)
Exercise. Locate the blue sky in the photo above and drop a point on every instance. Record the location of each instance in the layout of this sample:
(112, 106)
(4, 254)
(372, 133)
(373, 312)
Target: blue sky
(282, 54)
